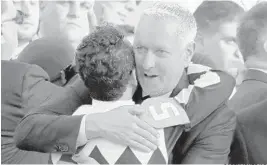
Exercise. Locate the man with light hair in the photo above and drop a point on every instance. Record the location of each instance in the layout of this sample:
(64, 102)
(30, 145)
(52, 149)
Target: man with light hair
(188, 100)
(164, 46)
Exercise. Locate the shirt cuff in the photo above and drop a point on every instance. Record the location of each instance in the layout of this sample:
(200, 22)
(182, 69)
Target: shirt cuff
(82, 139)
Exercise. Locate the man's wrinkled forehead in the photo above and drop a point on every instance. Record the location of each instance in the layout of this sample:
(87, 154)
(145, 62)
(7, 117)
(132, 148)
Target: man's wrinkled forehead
(170, 26)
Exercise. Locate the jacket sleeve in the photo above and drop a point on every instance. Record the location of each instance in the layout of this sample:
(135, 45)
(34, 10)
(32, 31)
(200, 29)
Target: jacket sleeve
(213, 144)
(49, 127)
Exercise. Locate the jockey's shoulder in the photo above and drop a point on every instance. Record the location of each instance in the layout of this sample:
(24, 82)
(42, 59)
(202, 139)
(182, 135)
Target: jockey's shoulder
(212, 91)
(215, 83)
(226, 85)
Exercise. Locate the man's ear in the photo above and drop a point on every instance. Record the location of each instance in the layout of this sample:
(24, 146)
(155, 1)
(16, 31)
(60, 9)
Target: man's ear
(189, 52)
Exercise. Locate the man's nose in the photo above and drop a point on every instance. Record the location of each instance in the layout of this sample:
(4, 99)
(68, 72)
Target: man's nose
(149, 60)
(74, 9)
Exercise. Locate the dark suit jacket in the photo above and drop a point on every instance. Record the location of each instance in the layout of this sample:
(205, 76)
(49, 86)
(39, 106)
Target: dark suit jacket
(252, 90)
(23, 87)
(250, 142)
(249, 103)
(207, 142)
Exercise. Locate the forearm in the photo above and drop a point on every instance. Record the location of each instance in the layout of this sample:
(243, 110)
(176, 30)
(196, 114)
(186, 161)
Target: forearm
(48, 133)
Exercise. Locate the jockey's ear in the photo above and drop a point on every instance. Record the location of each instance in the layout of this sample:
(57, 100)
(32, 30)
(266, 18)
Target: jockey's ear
(189, 52)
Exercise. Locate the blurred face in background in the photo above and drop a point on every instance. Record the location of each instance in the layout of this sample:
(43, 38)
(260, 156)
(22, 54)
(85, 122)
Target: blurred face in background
(9, 38)
(115, 12)
(27, 18)
(68, 17)
(221, 47)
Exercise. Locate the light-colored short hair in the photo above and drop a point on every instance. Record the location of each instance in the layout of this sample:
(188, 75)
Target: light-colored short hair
(186, 24)
(252, 30)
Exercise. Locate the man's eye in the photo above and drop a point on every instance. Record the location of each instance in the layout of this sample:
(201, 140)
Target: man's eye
(140, 48)
(161, 52)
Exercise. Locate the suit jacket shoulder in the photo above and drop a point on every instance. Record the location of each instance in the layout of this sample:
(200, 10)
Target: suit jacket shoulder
(250, 137)
(19, 95)
(19, 90)
(252, 90)
(211, 122)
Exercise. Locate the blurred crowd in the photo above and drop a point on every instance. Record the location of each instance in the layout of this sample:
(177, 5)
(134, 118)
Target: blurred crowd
(47, 43)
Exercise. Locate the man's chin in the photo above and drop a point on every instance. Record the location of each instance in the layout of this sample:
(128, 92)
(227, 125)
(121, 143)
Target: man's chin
(152, 92)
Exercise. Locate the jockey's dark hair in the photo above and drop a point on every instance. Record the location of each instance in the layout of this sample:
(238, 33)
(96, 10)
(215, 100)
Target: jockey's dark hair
(105, 61)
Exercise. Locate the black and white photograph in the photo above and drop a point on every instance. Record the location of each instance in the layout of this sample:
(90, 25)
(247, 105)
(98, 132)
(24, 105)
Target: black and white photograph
(112, 82)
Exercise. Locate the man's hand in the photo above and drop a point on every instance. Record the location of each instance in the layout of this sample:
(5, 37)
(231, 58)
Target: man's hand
(122, 125)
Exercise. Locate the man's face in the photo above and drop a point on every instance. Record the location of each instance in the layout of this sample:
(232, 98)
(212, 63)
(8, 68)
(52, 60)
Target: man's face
(9, 38)
(71, 16)
(27, 18)
(116, 12)
(221, 47)
(159, 54)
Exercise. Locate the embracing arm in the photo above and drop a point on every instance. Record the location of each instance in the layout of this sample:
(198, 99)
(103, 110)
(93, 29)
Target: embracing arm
(50, 128)
(46, 128)
(213, 144)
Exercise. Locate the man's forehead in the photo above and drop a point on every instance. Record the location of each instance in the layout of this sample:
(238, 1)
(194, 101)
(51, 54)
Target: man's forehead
(224, 28)
(154, 24)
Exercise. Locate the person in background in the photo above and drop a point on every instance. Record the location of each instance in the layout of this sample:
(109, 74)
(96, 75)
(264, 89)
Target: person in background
(249, 102)
(9, 37)
(54, 55)
(27, 20)
(217, 23)
(252, 41)
(73, 19)
(22, 88)
(116, 12)
(120, 13)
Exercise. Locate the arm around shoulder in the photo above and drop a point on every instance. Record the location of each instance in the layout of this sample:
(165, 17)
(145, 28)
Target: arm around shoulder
(48, 127)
